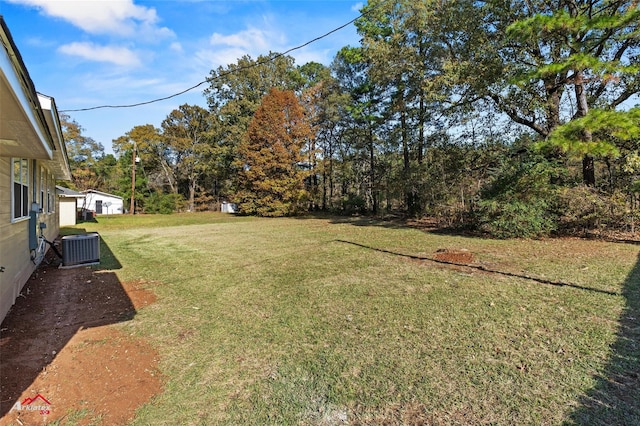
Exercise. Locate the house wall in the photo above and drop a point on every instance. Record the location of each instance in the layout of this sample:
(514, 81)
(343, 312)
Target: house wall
(89, 203)
(15, 256)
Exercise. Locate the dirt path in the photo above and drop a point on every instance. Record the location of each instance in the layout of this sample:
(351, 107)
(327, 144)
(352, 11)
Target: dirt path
(62, 357)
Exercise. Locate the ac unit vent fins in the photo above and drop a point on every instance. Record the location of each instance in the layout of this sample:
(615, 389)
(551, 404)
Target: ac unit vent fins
(81, 249)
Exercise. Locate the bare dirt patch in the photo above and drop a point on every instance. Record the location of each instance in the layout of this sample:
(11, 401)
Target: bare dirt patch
(454, 256)
(60, 344)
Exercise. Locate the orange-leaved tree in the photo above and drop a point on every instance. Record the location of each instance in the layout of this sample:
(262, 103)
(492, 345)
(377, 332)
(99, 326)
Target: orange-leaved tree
(272, 172)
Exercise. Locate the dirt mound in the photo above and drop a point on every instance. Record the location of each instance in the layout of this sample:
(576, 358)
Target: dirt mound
(462, 256)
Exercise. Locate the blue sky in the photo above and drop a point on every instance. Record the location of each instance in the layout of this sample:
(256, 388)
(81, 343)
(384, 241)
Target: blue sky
(113, 52)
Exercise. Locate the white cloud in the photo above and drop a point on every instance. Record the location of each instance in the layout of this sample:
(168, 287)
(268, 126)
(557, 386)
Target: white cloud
(357, 7)
(121, 17)
(176, 47)
(250, 40)
(112, 54)
(225, 49)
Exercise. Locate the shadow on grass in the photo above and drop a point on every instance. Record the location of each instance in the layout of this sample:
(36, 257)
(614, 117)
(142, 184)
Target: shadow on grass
(432, 227)
(369, 221)
(483, 269)
(336, 219)
(393, 222)
(615, 399)
(53, 306)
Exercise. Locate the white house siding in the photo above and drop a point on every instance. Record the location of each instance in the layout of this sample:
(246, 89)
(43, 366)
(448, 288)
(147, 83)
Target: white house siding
(96, 201)
(15, 256)
(29, 130)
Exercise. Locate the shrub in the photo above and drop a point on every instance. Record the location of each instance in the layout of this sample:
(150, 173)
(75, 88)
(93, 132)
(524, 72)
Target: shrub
(352, 204)
(583, 208)
(516, 219)
(157, 202)
(269, 205)
(520, 201)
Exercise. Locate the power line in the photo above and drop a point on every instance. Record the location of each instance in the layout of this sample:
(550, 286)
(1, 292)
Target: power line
(224, 74)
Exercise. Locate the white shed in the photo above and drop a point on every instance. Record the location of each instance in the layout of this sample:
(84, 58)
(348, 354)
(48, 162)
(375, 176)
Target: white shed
(101, 202)
(69, 200)
(226, 207)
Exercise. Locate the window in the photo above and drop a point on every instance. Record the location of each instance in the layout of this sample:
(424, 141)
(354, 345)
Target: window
(43, 188)
(50, 193)
(20, 194)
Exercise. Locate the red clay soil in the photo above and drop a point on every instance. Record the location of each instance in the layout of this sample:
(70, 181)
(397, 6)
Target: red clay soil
(61, 347)
(454, 256)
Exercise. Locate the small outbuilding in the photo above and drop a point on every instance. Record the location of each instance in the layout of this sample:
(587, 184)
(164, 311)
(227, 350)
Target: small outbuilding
(226, 207)
(102, 202)
(69, 200)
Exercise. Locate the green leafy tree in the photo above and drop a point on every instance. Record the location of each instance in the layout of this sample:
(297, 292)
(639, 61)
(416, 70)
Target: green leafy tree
(106, 169)
(158, 202)
(154, 167)
(316, 78)
(186, 132)
(330, 106)
(398, 43)
(122, 180)
(549, 65)
(520, 200)
(233, 96)
(271, 159)
(84, 155)
(156, 159)
(364, 121)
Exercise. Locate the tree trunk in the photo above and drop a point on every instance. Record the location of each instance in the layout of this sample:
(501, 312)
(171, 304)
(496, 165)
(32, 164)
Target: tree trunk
(331, 182)
(192, 197)
(634, 206)
(588, 167)
(167, 172)
(406, 165)
(193, 183)
(421, 126)
(554, 96)
(588, 171)
(324, 186)
(422, 107)
(372, 174)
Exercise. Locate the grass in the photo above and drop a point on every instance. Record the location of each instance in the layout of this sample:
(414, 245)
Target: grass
(331, 321)
(76, 417)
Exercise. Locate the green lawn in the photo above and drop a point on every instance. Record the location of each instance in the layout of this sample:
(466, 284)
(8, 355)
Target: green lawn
(332, 320)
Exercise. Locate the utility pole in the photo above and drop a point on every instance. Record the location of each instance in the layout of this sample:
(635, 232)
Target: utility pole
(133, 179)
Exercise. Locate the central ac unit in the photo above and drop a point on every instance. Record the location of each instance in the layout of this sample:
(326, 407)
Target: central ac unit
(81, 249)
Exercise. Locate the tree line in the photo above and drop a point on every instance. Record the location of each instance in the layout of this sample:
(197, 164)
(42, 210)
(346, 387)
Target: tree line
(514, 118)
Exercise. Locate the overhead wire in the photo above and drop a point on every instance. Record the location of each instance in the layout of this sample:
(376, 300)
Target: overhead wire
(242, 68)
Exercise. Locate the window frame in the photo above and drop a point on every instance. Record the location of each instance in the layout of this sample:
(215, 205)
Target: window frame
(23, 195)
(43, 187)
(51, 190)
